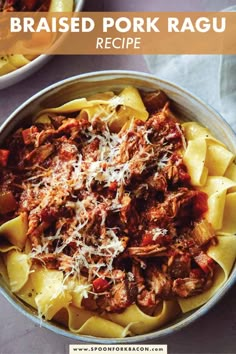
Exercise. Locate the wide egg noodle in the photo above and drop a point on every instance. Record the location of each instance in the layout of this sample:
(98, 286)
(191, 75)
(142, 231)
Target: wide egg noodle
(94, 102)
(28, 247)
(195, 155)
(61, 6)
(85, 322)
(18, 60)
(216, 205)
(132, 107)
(88, 323)
(74, 106)
(72, 317)
(210, 156)
(224, 254)
(217, 189)
(36, 285)
(9, 233)
(5, 247)
(229, 219)
(217, 184)
(5, 66)
(9, 63)
(51, 294)
(140, 323)
(124, 118)
(130, 97)
(101, 108)
(27, 293)
(18, 269)
(128, 101)
(100, 327)
(231, 172)
(193, 130)
(105, 96)
(218, 159)
(121, 110)
(104, 112)
(3, 270)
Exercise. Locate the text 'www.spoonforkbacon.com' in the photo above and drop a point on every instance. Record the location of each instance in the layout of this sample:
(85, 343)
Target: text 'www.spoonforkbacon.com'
(111, 349)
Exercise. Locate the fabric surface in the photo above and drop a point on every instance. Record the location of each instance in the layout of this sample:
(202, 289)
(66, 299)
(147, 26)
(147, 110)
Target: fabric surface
(210, 77)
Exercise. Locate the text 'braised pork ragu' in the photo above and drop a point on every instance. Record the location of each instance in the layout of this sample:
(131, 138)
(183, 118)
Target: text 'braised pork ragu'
(114, 207)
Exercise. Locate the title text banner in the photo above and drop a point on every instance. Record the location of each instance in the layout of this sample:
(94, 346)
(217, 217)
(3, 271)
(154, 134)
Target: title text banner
(118, 33)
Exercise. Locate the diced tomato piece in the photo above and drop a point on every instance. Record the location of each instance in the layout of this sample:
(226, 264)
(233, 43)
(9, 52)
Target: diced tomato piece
(100, 285)
(200, 205)
(27, 134)
(4, 154)
(147, 239)
(162, 240)
(175, 158)
(205, 262)
(196, 273)
(113, 186)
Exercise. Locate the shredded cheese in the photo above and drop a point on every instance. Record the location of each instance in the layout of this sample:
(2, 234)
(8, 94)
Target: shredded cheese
(69, 182)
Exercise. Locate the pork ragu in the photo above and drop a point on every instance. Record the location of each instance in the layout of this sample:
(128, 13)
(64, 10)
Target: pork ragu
(117, 208)
(24, 5)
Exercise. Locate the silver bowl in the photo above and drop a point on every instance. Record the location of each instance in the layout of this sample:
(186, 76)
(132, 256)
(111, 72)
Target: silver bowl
(27, 70)
(188, 106)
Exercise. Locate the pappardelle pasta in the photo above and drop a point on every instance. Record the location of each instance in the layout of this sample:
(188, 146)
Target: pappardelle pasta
(9, 63)
(115, 217)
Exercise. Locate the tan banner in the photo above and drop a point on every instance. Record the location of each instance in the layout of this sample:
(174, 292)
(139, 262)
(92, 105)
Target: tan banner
(118, 33)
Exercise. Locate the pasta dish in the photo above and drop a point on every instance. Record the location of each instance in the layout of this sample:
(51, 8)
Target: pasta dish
(9, 63)
(116, 217)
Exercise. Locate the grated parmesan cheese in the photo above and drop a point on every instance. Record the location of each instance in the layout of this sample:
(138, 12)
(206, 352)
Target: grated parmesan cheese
(95, 248)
